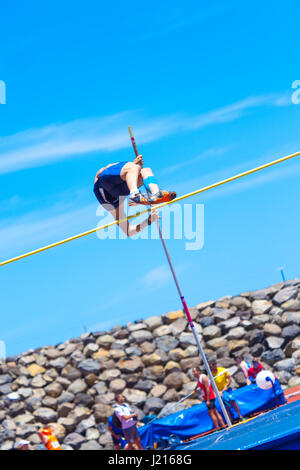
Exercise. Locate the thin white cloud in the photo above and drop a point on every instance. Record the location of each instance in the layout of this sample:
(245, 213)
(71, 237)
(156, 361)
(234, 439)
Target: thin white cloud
(37, 227)
(37, 147)
(160, 276)
(166, 25)
(259, 179)
(266, 176)
(156, 277)
(236, 110)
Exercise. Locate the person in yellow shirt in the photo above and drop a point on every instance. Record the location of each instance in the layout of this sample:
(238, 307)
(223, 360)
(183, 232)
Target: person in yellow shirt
(223, 380)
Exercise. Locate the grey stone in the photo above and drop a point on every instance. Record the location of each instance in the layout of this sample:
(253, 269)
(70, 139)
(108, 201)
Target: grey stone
(229, 324)
(90, 445)
(77, 386)
(210, 332)
(54, 389)
(117, 385)
(5, 378)
(187, 339)
(153, 322)
(289, 318)
(241, 303)
(71, 373)
(144, 385)
(135, 397)
(5, 389)
(207, 321)
(274, 342)
(236, 333)
(254, 336)
(130, 366)
(85, 424)
(153, 405)
(175, 380)
(166, 343)
(58, 363)
(141, 335)
(65, 397)
(136, 326)
(178, 326)
(286, 365)
(260, 307)
(290, 332)
(271, 329)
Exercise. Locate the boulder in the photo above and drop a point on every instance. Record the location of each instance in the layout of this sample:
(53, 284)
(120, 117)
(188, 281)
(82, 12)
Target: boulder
(45, 415)
(153, 405)
(130, 366)
(89, 366)
(141, 335)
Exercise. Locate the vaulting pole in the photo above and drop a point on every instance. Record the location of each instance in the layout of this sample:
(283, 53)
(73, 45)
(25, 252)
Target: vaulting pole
(185, 307)
(145, 211)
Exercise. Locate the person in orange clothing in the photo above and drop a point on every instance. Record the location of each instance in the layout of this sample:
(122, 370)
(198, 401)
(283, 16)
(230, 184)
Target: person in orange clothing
(23, 445)
(49, 439)
(116, 181)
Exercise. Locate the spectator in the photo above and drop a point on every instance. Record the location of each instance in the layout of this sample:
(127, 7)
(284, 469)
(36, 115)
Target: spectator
(223, 380)
(128, 420)
(115, 430)
(244, 366)
(208, 396)
(254, 370)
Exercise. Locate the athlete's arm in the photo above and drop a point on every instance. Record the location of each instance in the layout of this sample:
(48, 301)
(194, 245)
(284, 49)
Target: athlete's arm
(139, 160)
(228, 380)
(128, 229)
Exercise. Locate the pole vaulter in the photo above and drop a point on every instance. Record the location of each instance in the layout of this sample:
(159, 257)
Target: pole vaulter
(185, 307)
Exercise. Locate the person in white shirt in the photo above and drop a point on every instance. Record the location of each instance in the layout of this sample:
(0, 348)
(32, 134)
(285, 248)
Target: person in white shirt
(244, 366)
(128, 421)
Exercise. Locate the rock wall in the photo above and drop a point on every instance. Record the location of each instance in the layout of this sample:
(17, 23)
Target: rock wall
(73, 384)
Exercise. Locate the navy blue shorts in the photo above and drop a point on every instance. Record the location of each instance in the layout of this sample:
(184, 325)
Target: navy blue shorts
(110, 186)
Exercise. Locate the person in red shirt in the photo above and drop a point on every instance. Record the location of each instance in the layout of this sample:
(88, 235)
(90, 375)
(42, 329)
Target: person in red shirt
(254, 370)
(208, 397)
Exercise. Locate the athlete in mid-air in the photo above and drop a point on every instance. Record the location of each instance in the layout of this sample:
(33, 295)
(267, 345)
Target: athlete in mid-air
(116, 181)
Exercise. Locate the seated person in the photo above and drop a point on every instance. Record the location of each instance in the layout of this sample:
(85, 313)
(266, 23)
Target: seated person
(223, 380)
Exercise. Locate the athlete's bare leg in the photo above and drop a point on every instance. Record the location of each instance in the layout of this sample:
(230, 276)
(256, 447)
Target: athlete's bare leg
(145, 173)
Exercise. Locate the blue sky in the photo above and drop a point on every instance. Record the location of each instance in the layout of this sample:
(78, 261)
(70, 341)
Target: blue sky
(207, 90)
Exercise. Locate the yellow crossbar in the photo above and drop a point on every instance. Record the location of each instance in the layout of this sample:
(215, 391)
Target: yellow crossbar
(180, 198)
